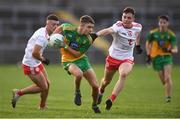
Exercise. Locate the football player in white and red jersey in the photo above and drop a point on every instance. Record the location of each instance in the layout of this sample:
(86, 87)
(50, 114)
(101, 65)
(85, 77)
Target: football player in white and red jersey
(32, 63)
(126, 36)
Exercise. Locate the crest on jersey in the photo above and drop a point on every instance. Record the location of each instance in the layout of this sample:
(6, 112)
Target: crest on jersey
(130, 33)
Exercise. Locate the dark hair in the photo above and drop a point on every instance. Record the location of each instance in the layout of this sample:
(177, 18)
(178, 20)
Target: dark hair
(165, 17)
(87, 19)
(52, 17)
(129, 10)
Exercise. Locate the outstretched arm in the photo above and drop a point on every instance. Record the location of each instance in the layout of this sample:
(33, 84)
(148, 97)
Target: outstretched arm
(105, 32)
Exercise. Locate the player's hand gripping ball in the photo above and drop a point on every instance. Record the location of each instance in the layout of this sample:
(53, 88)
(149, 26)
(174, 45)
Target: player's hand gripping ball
(56, 40)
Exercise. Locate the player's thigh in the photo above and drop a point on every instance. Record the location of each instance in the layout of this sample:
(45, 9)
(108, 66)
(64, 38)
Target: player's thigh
(90, 77)
(167, 70)
(161, 74)
(108, 74)
(125, 68)
(75, 70)
(39, 80)
(46, 76)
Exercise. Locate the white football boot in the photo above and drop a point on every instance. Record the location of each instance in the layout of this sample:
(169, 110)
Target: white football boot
(15, 97)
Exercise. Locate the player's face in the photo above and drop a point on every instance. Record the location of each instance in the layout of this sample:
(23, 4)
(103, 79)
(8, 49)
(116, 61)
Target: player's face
(87, 28)
(127, 19)
(52, 25)
(163, 24)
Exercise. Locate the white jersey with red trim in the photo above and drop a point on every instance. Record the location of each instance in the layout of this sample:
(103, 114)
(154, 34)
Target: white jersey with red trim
(38, 38)
(124, 40)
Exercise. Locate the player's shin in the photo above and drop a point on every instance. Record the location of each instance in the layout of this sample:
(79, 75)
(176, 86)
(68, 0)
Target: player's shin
(43, 96)
(95, 93)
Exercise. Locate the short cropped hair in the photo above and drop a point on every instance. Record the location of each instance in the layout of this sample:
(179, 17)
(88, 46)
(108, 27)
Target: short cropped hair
(87, 19)
(129, 10)
(52, 17)
(165, 17)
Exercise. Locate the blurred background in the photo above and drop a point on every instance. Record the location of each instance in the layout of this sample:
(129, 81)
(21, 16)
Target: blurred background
(20, 18)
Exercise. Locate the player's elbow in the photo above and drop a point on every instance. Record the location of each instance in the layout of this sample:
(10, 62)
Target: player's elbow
(104, 32)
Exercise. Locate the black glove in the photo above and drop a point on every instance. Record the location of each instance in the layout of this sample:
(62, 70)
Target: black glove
(148, 59)
(93, 36)
(138, 49)
(45, 61)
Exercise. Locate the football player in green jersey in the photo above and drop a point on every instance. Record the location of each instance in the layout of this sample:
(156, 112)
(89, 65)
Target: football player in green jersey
(77, 42)
(160, 44)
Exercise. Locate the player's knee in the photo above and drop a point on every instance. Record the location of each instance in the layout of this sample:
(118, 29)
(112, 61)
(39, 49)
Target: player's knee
(79, 75)
(167, 77)
(163, 82)
(48, 83)
(169, 81)
(44, 88)
(106, 81)
(123, 75)
(95, 88)
(48, 86)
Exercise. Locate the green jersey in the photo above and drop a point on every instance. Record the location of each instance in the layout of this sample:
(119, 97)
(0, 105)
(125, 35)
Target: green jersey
(160, 40)
(76, 41)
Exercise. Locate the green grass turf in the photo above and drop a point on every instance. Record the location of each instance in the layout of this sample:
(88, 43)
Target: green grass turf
(143, 95)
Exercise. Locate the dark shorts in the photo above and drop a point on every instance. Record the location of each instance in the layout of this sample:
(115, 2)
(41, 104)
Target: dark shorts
(160, 61)
(82, 63)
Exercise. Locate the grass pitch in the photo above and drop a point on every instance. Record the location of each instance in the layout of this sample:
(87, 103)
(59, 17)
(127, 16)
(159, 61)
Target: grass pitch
(143, 95)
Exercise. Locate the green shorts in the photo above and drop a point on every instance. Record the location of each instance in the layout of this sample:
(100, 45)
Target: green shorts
(160, 61)
(82, 63)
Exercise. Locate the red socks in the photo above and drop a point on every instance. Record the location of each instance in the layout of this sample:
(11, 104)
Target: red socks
(20, 93)
(113, 97)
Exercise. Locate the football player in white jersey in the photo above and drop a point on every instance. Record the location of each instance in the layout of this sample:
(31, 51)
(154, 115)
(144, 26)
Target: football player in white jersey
(126, 36)
(32, 63)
